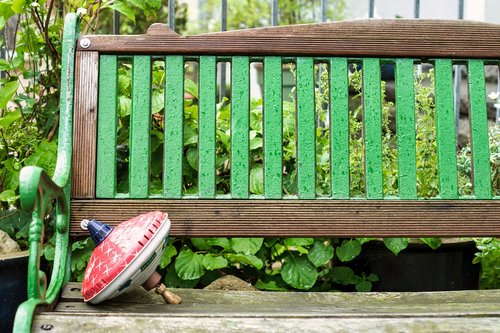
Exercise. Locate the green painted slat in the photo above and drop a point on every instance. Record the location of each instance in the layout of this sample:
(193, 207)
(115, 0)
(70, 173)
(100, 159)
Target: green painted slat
(106, 127)
(273, 120)
(373, 128)
(339, 128)
(240, 92)
(479, 130)
(405, 123)
(306, 130)
(207, 113)
(139, 127)
(174, 105)
(445, 130)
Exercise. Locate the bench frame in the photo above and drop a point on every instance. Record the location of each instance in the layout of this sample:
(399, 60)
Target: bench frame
(73, 184)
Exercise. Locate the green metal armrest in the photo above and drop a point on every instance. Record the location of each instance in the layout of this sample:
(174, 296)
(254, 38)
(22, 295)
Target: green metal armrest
(38, 190)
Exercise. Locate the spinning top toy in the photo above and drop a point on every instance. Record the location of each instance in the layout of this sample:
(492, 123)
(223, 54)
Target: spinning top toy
(125, 257)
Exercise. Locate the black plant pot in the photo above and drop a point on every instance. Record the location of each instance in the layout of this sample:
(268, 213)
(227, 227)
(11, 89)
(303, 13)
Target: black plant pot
(13, 288)
(419, 268)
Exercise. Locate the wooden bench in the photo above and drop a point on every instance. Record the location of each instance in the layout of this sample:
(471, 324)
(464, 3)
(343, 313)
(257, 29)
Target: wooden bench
(84, 184)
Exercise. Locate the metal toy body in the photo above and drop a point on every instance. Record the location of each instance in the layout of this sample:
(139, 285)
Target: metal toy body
(125, 256)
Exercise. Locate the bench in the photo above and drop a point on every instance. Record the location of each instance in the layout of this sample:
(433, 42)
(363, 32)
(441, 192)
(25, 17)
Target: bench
(85, 181)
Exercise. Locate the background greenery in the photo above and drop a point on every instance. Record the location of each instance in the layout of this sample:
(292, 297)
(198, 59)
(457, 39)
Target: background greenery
(28, 126)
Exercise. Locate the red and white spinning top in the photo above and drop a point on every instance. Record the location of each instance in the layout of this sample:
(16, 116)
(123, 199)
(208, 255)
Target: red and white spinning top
(125, 257)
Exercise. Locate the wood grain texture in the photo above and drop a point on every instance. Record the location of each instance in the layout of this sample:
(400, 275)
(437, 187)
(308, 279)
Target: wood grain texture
(360, 38)
(305, 218)
(85, 125)
(256, 311)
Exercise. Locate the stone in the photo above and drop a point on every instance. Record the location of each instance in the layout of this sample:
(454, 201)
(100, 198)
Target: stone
(7, 245)
(230, 282)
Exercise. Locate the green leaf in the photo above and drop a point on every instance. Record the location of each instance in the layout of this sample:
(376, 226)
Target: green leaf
(5, 13)
(320, 253)
(200, 243)
(222, 242)
(191, 88)
(348, 250)
(248, 259)
(255, 143)
(434, 243)
(364, 286)
(173, 280)
(372, 277)
(214, 262)
(365, 240)
(189, 265)
(8, 195)
(17, 7)
(344, 275)
(192, 158)
(298, 241)
(9, 118)
(396, 245)
(256, 120)
(299, 272)
(166, 258)
(190, 135)
(124, 9)
(257, 180)
(246, 245)
(271, 283)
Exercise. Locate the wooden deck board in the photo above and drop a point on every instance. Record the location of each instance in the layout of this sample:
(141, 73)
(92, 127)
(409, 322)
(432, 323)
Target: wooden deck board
(256, 311)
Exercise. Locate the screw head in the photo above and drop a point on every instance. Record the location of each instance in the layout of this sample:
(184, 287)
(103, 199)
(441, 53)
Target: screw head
(47, 327)
(85, 43)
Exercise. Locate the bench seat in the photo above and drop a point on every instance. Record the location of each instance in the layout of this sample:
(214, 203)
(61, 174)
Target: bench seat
(256, 311)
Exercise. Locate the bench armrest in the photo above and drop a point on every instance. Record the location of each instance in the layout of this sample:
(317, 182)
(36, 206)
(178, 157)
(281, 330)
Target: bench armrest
(38, 191)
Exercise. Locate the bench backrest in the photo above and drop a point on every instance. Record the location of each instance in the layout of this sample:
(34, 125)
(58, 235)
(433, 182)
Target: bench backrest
(371, 44)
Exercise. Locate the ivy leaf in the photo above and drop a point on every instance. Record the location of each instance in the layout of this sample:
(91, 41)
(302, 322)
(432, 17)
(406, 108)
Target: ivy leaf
(348, 250)
(122, 8)
(246, 245)
(189, 265)
(299, 272)
(373, 277)
(245, 259)
(257, 180)
(214, 262)
(434, 243)
(396, 245)
(166, 258)
(365, 240)
(320, 253)
(344, 275)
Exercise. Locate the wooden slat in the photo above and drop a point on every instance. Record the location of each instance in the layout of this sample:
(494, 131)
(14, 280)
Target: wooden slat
(479, 131)
(174, 112)
(405, 122)
(240, 122)
(339, 127)
(257, 311)
(273, 128)
(85, 125)
(361, 38)
(311, 218)
(140, 120)
(206, 123)
(106, 127)
(306, 130)
(372, 121)
(445, 131)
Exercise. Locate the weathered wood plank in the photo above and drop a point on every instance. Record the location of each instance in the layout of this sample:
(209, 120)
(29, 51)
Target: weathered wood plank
(313, 218)
(116, 323)
(360, 38)
(219, 311)
(85, 125)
